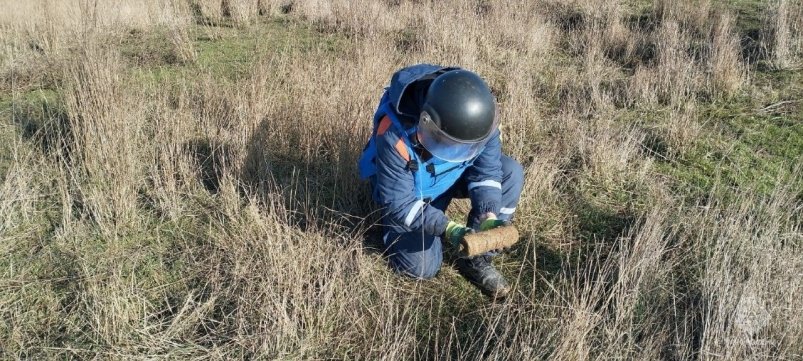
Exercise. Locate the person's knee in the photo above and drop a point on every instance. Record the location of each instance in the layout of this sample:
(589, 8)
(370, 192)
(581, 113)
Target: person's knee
(422, 269)
(513, 171)
(425, 272)
(415, 257)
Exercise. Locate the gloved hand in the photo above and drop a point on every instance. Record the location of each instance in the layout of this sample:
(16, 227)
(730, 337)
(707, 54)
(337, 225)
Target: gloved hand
(455, 232)
(492, 223)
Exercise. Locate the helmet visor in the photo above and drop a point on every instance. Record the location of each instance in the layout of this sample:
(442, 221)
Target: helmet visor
(445, 147)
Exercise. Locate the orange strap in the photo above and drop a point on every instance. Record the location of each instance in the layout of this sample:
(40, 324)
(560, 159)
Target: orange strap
(383, 127)
(402, 149)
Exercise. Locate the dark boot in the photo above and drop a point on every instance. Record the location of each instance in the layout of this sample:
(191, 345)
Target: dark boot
(481, 273)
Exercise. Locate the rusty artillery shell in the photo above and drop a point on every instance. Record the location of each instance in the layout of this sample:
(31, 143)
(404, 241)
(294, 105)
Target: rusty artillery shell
(474, 244)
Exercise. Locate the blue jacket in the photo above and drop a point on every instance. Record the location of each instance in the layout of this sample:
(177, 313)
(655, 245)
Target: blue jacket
(402, 184)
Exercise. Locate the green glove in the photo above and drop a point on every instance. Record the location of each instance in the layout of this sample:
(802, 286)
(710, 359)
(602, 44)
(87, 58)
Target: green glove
(455, 232)
(491, 223)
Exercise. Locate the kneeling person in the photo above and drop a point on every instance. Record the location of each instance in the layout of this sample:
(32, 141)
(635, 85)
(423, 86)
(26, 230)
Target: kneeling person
(436, 138)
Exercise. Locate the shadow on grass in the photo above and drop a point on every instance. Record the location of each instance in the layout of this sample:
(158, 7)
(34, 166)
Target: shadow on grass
(321, 188)
(212, 158)
(43, 121)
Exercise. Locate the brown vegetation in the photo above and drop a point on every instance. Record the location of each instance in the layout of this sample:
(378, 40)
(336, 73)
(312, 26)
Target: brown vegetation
(173, 209)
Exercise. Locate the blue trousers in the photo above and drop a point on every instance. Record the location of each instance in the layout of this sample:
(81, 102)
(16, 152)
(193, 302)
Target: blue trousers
(420, 256)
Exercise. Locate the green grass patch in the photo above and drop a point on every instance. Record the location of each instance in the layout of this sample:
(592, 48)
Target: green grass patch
(748, 13)
(25, 116)
(752, 141)
(8, 136)
(226, 53)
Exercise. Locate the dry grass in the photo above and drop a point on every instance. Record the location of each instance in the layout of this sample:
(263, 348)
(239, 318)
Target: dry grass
(179, 211)
(782, 33)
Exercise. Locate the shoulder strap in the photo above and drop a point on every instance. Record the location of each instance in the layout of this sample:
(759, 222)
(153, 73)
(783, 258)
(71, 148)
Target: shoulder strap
(401, 145)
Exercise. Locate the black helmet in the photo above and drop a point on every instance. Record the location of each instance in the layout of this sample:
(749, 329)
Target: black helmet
(458, 116)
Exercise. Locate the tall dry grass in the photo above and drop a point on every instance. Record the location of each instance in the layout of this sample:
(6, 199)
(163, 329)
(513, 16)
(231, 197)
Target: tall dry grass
(782, 33)
(209, 217)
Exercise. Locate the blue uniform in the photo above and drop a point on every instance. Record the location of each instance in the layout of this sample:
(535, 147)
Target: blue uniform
(414, 190)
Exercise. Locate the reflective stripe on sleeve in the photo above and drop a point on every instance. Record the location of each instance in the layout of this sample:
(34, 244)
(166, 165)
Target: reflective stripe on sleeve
(413, 211)
(507, 210)
(485, 183)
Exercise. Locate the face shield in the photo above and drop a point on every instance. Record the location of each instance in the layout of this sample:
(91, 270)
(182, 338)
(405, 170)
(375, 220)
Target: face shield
(446, 147)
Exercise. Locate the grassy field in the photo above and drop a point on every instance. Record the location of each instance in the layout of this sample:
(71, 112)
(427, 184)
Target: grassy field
(178, 180)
